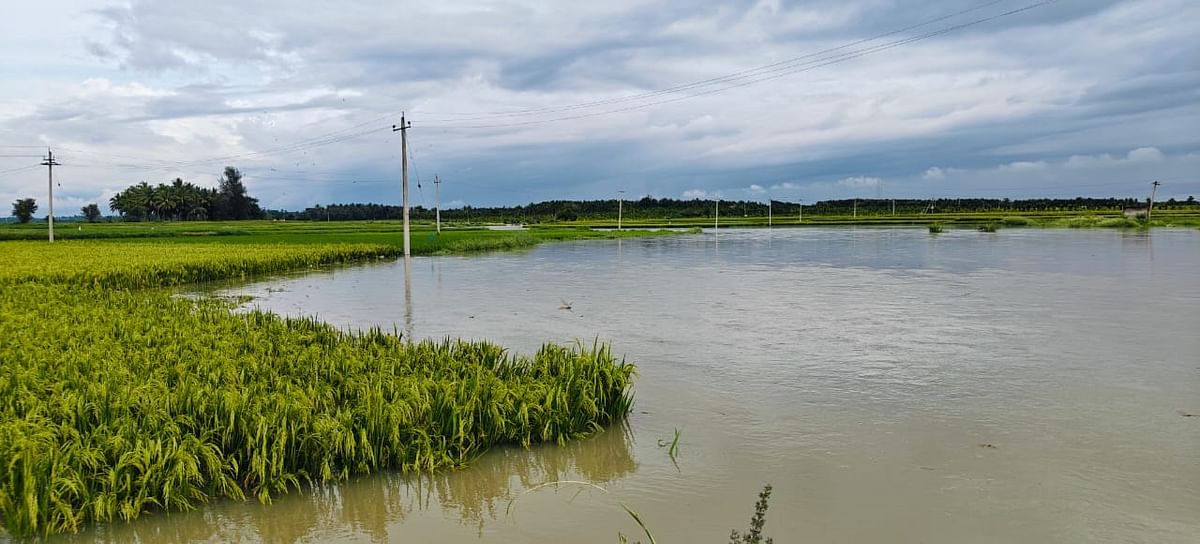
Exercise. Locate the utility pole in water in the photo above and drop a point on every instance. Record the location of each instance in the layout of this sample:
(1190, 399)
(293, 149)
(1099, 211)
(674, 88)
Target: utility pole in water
(1149, 210)
(403, 130)
(768, 213)
(50, 163)
(620, 203)
(437, 200)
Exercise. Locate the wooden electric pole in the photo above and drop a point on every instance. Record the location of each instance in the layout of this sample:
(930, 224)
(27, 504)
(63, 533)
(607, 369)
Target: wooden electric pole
(403, 130)
(50, 163)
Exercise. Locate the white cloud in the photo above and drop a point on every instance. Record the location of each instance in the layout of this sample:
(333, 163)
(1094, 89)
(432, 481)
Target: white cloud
(701, 194)
(860, 181)
(1024, 166)
(1145, 154)
(933, 173)
(1139, 155)
(757, 189)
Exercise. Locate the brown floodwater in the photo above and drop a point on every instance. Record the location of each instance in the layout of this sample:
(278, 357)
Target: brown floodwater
(893, 386)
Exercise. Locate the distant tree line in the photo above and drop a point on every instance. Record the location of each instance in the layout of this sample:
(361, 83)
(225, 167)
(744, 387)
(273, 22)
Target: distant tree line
(183, 201)
(668, 208)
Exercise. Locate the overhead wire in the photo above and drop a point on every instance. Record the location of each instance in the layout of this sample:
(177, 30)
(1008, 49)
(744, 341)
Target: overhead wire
(774, 73)
(715, 80)
(21, 169)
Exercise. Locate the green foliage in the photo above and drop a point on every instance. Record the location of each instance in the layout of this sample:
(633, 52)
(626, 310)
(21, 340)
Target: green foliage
(1121, 223)
(1096, 221)
(991, 226)
(181, 200)
(119, 400)
(91, 212)
(1016, 221)
(936, 228)
(24, 209)
(672, 445)
(755, 534)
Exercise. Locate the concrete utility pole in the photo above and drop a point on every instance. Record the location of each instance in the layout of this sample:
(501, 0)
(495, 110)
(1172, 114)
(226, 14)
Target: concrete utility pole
(1149, 210)
(717, 214)
(768, 213)
(437, 196)
(403, 130)
(801, 203)
(50, 163)
(855, 213)
(893, 206)
(620, 203)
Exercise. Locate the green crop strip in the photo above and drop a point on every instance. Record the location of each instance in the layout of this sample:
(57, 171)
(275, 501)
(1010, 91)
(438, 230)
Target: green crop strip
(117, 398)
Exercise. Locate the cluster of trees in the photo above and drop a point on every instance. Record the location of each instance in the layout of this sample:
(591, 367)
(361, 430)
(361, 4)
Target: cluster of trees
(966, 205)
(23, 209)
(668, 208)
(181, 200)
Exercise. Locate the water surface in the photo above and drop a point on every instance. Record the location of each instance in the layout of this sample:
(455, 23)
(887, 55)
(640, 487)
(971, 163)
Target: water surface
(1023, 386)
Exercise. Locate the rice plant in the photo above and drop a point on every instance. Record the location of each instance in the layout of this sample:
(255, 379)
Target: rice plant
(936, 228)
(116, 399)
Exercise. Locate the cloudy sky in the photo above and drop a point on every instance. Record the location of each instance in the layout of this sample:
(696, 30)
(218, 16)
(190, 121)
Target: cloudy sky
(515, 101)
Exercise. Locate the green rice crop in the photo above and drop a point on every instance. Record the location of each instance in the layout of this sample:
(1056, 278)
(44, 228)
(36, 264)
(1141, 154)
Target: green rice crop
(936, 228)
(116, 400)
(989, 227)
(131, 265)
(1016, 221)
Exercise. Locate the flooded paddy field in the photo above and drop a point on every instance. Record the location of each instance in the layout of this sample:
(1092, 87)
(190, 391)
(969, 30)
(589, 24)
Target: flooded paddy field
(1024, 386)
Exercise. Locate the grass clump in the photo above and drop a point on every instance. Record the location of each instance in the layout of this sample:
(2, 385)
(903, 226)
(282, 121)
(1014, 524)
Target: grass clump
(936, 228)
(1016, 221)
(117, 400)
(989, 227)
(1121, 223)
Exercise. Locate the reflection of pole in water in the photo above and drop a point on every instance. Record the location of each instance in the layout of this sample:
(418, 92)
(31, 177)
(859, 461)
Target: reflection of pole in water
(408, 308)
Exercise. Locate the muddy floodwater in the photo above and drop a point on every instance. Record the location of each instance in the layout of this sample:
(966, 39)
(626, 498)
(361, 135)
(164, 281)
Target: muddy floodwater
(893, 386)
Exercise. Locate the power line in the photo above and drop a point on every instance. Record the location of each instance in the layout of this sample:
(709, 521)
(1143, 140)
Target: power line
(21, 169)
(774, 73)
(723, 83)
(715, 80)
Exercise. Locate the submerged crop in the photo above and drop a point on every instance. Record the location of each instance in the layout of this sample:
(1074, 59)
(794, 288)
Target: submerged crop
(114, 402)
